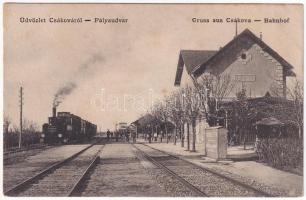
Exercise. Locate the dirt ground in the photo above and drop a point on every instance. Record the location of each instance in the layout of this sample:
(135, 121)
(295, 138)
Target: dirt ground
(121, 173)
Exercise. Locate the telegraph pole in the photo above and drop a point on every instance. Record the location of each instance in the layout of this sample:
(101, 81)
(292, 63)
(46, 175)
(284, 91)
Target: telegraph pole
(21, 104)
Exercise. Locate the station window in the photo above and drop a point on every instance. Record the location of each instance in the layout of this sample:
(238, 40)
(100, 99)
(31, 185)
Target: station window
(243, 56)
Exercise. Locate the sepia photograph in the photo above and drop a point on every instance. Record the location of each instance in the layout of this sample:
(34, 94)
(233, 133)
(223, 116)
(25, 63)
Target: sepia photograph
(153, 100)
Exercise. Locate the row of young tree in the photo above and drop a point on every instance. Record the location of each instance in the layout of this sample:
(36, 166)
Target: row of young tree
(11, 133)
(188, 105)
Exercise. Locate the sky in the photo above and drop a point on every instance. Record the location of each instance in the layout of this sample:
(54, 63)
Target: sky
(115, 72)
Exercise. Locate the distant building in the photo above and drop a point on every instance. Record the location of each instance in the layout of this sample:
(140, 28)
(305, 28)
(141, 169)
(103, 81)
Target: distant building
(148, 124)
(121, 126)
(250, 62)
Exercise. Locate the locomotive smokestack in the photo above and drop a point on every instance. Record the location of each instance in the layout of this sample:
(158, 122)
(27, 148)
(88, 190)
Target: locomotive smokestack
(54, 111)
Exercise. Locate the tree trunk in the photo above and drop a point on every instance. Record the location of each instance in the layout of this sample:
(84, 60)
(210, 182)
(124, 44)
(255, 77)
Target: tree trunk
(5, 135)
(188, 141)
(193, 136)
(175, 134)
(244, 138)
(300, 131)
(167, 138)
(182, 135)
(150, 134)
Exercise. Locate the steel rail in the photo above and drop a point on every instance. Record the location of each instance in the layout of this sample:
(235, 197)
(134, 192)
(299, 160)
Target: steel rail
(21, 186)
(77, 187)
(173, 174)
(204, 169)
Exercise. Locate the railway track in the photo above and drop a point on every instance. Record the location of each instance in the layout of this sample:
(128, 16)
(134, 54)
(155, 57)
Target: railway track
(202, 181)
(64, 178)
(186, 183)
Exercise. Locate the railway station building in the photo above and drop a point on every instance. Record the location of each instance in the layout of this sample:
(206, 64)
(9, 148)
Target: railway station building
(250, 63)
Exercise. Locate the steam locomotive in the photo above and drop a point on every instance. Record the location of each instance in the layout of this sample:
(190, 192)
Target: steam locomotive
(67, 128)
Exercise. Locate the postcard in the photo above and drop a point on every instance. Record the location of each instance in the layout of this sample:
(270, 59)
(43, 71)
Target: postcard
(153, 100)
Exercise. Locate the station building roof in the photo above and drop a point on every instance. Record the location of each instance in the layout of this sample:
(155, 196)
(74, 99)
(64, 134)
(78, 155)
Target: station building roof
(198, 62)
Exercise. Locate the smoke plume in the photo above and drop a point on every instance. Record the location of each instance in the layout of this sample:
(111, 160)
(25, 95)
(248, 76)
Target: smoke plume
(90, 62)
(84, 70)
(62, 93)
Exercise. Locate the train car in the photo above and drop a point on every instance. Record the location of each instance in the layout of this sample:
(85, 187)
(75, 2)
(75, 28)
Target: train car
(67, 128)
(91, 130)
(121, 128)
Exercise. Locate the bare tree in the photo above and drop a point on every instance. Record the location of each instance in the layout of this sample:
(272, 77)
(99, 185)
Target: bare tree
(296, 94)
(6, 123)
(15, 128)
(177, 112)
(30, 126)
(162, 112)
(185, 118)
(188, 104)
(243, 111)
(193, 109)
(218, 87)
(212, 90)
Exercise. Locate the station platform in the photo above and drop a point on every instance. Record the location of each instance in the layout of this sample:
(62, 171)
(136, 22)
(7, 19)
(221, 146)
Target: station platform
(239, 153)
(239, 165)
(234, 153)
